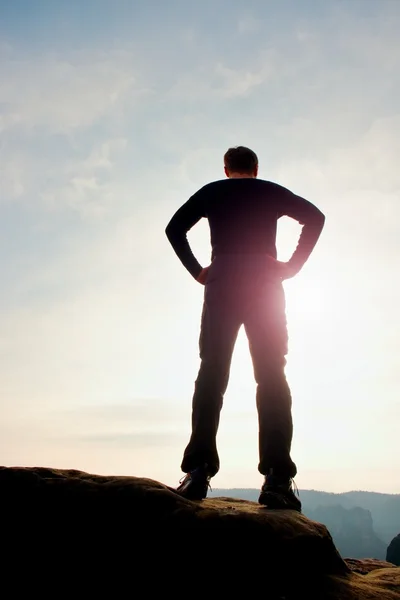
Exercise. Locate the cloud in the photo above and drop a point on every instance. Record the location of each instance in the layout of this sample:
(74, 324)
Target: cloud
(371, 163)
(358, 173)
(86, 186)
(102, 156)
(248, 25)
(61, 120)
(12, 178)
(218, 81)
(235, 82)
(63, 94)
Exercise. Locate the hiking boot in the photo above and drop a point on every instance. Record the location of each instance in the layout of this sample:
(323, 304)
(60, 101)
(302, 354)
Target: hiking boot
(195, 484)
(279, 493)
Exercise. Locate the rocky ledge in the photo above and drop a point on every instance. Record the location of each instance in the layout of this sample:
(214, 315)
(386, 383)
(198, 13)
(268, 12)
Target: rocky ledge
(138, 532)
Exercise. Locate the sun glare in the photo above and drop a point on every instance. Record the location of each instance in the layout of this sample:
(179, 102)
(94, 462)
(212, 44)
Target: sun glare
(305, 299)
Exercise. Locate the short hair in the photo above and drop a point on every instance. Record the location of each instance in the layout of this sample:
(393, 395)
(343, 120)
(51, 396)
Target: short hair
(240, 160)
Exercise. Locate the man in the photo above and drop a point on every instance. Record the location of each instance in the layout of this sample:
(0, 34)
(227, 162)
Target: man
(243, 286)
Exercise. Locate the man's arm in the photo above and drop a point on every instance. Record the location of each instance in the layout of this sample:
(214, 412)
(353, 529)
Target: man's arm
(182, 221)
(313, 221)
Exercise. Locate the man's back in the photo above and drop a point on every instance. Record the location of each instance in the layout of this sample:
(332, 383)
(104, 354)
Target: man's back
(243, 215)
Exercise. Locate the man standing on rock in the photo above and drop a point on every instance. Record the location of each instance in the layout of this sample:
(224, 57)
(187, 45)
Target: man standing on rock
(243, 286)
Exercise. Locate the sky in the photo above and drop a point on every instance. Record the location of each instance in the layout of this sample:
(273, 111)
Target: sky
(112, 114)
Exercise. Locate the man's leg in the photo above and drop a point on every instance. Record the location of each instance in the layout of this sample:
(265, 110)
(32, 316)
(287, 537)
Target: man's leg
(219, 329)
(266, 329)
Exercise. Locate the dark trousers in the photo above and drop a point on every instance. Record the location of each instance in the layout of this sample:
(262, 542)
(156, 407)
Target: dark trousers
(243, 290)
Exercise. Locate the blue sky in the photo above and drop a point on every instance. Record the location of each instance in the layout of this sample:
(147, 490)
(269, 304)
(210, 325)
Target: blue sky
(111, 115)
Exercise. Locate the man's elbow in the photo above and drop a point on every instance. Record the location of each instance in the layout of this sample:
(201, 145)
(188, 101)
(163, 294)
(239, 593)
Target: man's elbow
(169, 231)
(319, 219)
(174, 234)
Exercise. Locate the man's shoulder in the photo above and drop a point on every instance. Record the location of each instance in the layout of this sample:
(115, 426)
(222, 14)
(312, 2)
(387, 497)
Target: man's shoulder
(274, 185)
(220, 185)
(213, 184)
(207, 187)
(226, 182)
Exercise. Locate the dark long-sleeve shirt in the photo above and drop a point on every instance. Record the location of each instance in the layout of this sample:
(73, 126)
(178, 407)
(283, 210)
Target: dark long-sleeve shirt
(243, 215)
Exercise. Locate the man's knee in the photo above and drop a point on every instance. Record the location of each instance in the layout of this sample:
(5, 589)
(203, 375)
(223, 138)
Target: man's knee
(270, 372)
(213, 373)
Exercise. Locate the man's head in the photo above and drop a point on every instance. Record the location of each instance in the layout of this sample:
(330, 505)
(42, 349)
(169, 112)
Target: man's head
(240, 162)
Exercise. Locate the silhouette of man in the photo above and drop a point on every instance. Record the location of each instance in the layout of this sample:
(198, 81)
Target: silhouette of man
(243, 286)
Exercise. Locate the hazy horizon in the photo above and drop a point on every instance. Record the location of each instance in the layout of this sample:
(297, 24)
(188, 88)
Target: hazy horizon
(111, 115)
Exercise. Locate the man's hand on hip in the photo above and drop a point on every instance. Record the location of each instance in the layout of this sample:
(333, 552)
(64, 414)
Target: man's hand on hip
(285, 270)
(202, 278)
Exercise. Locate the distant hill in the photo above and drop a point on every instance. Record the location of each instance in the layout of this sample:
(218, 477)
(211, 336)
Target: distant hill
(361, 533)
(384, 508)
(393, 551)
(352, 530)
